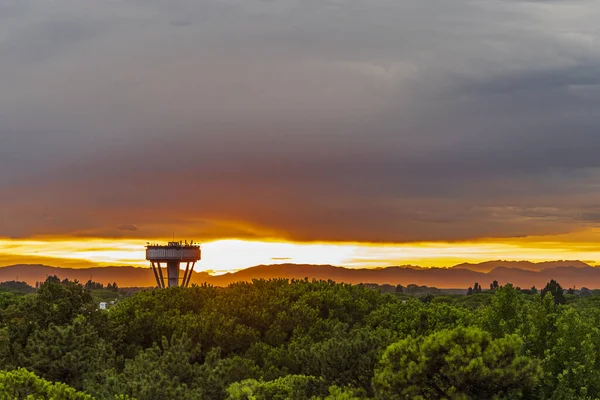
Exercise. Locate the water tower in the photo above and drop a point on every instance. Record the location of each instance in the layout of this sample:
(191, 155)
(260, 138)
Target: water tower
(173, 255)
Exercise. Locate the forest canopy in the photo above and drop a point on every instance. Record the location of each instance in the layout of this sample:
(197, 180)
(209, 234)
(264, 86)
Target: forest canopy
(299, 339)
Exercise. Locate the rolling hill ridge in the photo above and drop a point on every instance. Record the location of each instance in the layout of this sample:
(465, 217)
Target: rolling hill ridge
(568, 273)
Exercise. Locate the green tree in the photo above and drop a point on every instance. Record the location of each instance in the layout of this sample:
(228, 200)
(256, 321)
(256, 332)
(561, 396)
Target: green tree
(59, 303)
(534, 290)
(345, 393)
(556, 290)
(216, 374)
(462, 363)
(67, 353)
(167, 371)
(22, 384)
(503, 315)
(538, 325)
(16, 287)
(346, 359)
(291, 387)
(572, 364)
(91, 285)
(56, 303)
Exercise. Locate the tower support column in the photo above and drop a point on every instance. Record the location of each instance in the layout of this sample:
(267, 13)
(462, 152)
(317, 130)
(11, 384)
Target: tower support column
(173, 273)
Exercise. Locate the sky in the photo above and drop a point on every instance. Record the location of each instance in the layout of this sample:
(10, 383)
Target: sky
(352, 132)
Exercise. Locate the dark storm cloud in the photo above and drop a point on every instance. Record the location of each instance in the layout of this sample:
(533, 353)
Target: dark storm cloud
(309, 120)
(544, 80)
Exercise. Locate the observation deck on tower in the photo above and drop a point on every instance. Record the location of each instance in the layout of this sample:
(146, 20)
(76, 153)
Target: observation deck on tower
(173, 255)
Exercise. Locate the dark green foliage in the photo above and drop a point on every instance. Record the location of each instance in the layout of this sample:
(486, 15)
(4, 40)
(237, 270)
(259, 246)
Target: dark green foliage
(572, 367)
(22, 384)
(346, 359)
(556, 290)
(56, 304)
(67, 353)
(416, 290)
(59, 303)
(538, 325)
(503, 315)
(475, 289)
(166, 371)
(291, 387)
(300, 339)
(91, 285)
(427, 298)
(16, 287)
(462, 363)
(7, 299)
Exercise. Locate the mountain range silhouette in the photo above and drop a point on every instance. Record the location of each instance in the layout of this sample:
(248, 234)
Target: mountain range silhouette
(520, 273)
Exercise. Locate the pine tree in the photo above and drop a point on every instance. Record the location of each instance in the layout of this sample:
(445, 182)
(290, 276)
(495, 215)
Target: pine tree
(556, 290)
(534, 290)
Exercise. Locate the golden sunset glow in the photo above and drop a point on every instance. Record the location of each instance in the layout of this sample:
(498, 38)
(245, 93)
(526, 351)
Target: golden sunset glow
(231, 255)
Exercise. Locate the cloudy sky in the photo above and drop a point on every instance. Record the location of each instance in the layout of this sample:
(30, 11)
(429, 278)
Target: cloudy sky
(380, 121)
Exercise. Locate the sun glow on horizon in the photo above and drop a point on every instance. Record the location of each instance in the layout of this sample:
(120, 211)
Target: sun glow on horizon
(229, 255)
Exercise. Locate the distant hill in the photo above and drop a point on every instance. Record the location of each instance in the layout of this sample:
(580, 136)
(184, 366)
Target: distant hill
(124, 276)
(573, 274)
(488, 266)
(438, 277)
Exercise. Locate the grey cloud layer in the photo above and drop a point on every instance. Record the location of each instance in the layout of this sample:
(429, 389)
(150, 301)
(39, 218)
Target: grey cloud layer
(338, 120)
